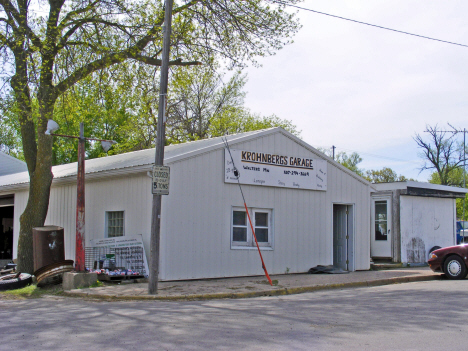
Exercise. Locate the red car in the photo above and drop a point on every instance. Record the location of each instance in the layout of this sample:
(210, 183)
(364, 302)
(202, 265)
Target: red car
(452, 261)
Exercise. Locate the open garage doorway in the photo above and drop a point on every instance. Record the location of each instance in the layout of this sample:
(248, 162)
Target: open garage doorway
(343, 237)
(6, 229)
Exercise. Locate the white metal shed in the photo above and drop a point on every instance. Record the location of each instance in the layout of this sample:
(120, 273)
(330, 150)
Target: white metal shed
(322, 219)
(410, 218)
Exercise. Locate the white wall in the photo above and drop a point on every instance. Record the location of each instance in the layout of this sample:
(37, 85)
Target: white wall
(197, 215)
(195, 240)
(131, 194)
(428, 221)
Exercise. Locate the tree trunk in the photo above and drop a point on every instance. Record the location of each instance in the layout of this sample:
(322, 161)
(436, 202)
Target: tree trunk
(39, 190)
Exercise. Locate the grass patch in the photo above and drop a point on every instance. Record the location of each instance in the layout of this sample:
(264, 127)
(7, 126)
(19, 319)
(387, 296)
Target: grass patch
(96, 284)
(31, 292)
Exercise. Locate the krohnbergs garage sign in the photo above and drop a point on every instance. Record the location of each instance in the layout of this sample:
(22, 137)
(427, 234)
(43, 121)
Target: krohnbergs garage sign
(257, 168)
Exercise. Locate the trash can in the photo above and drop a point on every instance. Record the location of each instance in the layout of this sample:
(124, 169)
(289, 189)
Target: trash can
(48, 245)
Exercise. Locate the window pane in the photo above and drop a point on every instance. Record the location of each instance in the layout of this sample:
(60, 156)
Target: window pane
(239, 218)
(381, 230)
(115, 223)
(381, 210)
(262, 235)
(239, 234)
(261, 219)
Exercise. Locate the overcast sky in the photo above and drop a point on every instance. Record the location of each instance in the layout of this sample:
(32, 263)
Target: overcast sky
(366, 89)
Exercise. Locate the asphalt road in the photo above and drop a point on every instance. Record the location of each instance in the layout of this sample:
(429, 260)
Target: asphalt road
(413, 316)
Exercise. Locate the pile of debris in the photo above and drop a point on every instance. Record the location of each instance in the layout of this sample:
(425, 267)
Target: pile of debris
(10, 279)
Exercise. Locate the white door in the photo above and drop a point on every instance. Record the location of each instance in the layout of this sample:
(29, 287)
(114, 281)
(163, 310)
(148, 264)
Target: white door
(381, 235)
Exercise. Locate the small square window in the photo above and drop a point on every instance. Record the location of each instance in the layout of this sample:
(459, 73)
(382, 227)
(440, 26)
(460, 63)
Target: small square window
(114, 224)
(241, 231)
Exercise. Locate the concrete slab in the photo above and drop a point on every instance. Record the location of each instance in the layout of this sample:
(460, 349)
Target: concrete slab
(255, 286)
(74, 280)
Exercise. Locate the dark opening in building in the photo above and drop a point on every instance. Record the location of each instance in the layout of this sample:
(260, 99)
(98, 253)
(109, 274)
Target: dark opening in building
(6, 227)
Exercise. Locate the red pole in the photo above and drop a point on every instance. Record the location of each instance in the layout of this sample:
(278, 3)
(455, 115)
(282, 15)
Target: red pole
(258, 248)
(80, 205)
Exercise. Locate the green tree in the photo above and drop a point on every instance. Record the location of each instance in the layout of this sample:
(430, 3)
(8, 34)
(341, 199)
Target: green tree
(384, 175)
(204, 106)
(441, 152)
(350, 161)
(199, 96)
(10, 136)
(75, 39)
(119, 103)
(455, 179)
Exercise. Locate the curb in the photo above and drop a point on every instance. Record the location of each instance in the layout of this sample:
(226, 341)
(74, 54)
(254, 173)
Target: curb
(277, 292)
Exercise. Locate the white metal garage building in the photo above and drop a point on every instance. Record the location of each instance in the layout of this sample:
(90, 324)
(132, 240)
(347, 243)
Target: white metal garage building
(308, 209)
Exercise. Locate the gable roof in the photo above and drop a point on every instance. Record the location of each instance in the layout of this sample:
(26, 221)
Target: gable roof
(11, 165)
(143, 160)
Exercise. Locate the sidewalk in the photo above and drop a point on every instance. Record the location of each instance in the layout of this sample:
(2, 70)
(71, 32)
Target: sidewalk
(254, 286)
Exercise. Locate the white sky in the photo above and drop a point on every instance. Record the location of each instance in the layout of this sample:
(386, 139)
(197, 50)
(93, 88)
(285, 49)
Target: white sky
(366, 89)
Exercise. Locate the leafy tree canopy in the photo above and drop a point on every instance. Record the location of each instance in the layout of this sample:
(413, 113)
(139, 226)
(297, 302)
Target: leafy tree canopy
(384, 175)
(455, 178)
(46, 53)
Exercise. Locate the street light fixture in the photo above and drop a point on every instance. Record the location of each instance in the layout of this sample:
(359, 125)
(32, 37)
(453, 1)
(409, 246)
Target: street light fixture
(52, 126)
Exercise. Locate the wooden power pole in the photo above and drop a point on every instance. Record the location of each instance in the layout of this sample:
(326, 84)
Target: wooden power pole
(159, 158)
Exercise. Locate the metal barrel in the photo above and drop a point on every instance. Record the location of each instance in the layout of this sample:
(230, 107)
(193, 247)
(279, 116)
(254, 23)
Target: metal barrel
(48, 245)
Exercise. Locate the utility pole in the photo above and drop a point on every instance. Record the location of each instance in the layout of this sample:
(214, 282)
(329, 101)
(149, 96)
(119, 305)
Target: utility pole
(80, 259)
(464, 173)
(80, 205)
(456, 131)
(464, 131)
(159, 158)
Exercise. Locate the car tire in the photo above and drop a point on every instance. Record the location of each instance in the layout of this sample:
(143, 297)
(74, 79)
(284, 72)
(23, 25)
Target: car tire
(15, 281)
(434, 248)
(454, 268)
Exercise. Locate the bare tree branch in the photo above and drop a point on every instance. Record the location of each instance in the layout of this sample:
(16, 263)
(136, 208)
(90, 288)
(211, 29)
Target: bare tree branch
(442, 152)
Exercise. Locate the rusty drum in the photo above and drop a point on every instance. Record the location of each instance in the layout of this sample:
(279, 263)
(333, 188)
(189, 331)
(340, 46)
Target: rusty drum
(48, 245)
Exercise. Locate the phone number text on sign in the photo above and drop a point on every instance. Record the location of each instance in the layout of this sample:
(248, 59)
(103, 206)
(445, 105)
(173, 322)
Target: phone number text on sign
(276, 170)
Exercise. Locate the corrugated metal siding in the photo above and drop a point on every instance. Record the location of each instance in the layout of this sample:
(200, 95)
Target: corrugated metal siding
(196, 217)
(130, 194)
(196, 240)
(431, 221)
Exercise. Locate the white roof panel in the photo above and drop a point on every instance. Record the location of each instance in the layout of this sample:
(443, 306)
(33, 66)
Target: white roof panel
(413, 184)
(133, 159)
(11, 165)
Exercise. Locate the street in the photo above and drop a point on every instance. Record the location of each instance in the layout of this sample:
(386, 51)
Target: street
(412, 316)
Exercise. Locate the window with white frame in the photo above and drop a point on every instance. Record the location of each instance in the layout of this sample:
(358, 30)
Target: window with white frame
(241, 232)
(115, 224)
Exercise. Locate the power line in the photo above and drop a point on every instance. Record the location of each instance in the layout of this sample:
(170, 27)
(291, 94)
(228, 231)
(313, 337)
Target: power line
(373, 155)
(368, 24)
(352, 20)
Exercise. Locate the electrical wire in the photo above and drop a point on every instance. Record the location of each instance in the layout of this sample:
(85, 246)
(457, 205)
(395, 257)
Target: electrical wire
(373, 155)
(351, 20)
(367, 24)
